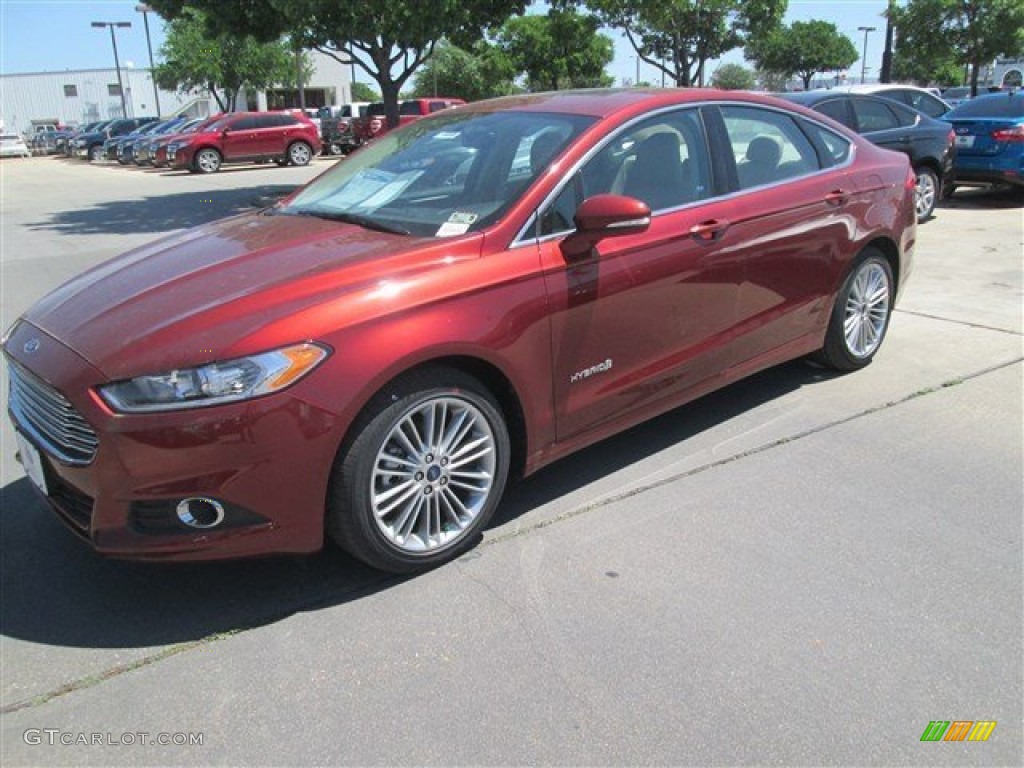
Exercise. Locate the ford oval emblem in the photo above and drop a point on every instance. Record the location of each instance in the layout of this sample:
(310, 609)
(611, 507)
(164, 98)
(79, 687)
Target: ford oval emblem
(31, 346)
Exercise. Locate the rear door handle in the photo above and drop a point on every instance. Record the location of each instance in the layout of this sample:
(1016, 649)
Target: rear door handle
(709, 231)
(836, 197)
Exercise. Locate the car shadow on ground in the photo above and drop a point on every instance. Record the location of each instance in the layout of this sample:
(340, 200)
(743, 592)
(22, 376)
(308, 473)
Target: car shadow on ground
(163, 213)
(979, 198)
(56, 591)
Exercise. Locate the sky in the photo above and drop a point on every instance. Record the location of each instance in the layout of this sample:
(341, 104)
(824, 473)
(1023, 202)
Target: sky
(55, 35)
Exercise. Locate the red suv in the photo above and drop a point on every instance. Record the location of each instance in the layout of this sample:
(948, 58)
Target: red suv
(284, 137)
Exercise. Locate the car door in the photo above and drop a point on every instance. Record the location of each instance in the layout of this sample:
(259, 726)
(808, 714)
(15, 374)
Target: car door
(239, 138)
(880, 124)
(791, 224)
(271, 132)
(642, 317)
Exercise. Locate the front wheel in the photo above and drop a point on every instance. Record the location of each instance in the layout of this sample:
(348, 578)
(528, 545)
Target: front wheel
(300, 153)
(95, 153)
(423, 473)
(861, 314)
(207, 161)
(926, 192)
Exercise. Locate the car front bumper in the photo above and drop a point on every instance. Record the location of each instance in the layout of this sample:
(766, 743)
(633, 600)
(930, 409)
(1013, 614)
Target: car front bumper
(266, 461)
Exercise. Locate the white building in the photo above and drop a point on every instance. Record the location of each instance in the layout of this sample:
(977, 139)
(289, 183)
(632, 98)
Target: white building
(1008, 72)
(76, 97)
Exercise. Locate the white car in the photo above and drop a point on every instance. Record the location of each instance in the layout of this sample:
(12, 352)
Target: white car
(921, 99)
(13, 145)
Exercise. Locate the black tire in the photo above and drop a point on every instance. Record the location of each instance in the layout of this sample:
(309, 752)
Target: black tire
(300, 153)
(839, 352)
(334, 148)
(95, 153)
(207, 160)
(927, 192)
(352, 520)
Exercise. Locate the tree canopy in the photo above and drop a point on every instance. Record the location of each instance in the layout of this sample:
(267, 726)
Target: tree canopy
(935, 39)
(560, 50)
(389, 41)
(733, 77)
(483, 72)
(804, 48)
(678, 37)
(194, 58)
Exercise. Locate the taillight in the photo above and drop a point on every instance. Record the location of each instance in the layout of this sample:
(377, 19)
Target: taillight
(376, 124)
(911, 181)
(1014, 134)
(951, 138)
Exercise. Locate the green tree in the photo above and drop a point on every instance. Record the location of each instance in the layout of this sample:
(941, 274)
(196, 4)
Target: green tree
(363, 92)
(560, 50)
(481, 73)
(803, 48)
(936, 38)
(733, 77)
(678, 37)
(389, 41)
(194, 58)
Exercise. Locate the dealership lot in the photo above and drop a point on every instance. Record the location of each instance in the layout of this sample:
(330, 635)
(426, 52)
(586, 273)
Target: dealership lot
(801, 569)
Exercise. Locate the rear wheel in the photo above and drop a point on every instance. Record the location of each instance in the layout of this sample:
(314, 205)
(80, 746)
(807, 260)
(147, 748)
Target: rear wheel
(861, 314)
(423, 473)
(95, 153)
(300, 153)
(926, 192)
(207, 160)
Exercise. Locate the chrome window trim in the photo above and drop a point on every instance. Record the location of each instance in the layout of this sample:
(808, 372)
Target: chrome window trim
(523, 238)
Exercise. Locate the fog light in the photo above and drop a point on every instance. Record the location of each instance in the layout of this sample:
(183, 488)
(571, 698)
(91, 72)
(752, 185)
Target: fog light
(197, 512)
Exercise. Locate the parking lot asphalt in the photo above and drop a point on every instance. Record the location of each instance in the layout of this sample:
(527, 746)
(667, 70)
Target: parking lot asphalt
(802, 569)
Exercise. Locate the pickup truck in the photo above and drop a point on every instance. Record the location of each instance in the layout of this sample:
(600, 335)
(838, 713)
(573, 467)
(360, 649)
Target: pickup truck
(374, 122)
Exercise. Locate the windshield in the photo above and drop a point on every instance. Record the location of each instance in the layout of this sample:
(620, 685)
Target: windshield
(441, 176)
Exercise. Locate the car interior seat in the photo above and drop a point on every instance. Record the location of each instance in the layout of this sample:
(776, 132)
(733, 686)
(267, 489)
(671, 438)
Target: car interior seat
(760, 163)
(657, 175)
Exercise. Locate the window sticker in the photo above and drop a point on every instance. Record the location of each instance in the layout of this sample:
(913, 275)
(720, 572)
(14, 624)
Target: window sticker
(458, 224)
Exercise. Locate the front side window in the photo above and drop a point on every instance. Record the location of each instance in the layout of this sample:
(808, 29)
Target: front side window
(441, 176)
(768, 146)
(661, 160)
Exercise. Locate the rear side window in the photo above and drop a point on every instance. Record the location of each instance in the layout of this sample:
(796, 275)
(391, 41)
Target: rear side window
(409, 108)
(837, 148)
(922, 102)
(873, 115)
(768, 146)
(437, 106)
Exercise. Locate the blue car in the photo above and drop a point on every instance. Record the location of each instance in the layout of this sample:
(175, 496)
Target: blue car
(989, 139)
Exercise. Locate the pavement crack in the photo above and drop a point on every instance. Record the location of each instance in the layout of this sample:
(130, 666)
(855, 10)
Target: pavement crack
(645, 487)
(965, 323)
(121, 669)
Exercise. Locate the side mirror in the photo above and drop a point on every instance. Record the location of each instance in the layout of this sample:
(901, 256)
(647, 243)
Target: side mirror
(604, 216)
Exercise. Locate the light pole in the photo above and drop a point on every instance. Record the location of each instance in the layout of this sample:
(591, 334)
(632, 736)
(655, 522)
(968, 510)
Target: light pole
(144, 10)
(864, 57)
(117, 63)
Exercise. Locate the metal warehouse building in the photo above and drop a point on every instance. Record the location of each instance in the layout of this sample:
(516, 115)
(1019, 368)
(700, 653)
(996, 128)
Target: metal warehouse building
(76, 97)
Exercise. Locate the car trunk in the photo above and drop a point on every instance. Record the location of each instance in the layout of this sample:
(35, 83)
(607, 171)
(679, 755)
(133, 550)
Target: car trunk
(974, 135)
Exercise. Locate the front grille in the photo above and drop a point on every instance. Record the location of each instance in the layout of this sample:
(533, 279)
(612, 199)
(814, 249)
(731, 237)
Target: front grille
(50, 418)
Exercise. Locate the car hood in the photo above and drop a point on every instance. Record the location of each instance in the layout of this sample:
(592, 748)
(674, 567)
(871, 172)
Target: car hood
(228, 288)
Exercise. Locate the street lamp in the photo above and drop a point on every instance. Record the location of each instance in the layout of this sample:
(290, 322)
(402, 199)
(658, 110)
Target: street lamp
(145, 10)
(117, 63)
(864, 58)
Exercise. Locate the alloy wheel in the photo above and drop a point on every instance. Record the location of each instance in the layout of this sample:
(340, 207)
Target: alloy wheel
(867, 310)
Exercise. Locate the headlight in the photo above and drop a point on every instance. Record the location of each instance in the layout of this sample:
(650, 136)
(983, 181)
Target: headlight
(223, 382)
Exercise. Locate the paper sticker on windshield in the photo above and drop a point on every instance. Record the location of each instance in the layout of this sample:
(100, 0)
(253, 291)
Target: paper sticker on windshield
(458, 224)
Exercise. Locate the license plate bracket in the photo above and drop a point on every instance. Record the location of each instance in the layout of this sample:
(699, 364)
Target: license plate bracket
(32, 462)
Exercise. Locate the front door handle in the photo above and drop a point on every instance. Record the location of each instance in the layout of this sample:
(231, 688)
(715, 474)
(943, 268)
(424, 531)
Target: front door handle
(836, 197)
(709, 231)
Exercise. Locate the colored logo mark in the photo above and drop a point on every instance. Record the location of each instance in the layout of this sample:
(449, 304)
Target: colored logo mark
(958, 730)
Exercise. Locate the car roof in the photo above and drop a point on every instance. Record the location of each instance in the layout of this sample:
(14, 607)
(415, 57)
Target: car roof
(603, 102)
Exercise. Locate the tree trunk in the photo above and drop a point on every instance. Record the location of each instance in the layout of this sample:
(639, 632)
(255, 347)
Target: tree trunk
(975, 72)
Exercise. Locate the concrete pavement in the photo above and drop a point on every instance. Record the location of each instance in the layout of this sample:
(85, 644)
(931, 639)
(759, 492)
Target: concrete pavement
(802, 569)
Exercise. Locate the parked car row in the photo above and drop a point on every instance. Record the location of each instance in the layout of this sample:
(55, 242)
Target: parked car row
(200, 145)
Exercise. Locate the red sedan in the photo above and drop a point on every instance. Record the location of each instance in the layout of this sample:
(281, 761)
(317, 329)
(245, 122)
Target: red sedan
(471, 296)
